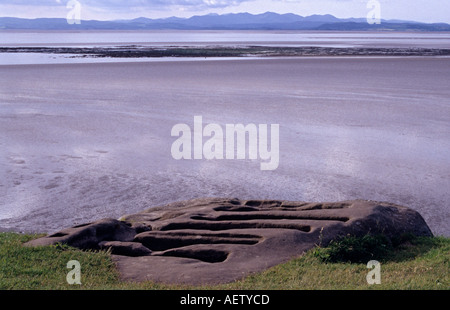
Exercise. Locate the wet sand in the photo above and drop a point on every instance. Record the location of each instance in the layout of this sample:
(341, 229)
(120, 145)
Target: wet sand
(87, 141)
(345, 39)
(222, 51)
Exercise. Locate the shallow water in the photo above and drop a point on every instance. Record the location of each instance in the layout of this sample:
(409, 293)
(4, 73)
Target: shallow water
(165, 38)
(188, 37)
(88, 141)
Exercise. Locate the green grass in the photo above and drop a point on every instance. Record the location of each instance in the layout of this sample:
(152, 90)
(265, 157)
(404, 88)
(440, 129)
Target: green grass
(412, 263)
(416, 263)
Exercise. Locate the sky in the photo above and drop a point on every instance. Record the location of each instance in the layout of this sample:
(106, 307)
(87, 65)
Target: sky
(430, 11)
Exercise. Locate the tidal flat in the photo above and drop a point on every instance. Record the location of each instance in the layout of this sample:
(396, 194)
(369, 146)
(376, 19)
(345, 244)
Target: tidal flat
(81, 142)
(136, 51)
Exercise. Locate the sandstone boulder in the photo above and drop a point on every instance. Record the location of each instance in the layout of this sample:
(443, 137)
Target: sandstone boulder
(208, 241)
(125, 248)
(89, 236)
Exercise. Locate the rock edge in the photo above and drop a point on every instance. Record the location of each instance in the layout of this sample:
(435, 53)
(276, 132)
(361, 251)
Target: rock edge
(215, 240)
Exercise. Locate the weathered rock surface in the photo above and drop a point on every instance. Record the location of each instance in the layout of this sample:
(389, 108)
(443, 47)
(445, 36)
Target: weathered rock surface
(125, 248)
(221, 240)
(88, 236)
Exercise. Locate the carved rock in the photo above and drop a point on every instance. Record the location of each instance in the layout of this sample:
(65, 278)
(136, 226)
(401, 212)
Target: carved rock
(88, 236)
(209, 241)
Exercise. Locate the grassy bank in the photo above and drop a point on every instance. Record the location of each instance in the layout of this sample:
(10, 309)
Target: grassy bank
(413, 263)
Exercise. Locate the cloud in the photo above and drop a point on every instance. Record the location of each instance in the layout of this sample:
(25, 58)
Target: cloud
(133, 3)
(117, 9)
(170, 3)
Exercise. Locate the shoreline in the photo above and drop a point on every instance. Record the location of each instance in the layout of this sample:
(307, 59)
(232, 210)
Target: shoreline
(225, 51)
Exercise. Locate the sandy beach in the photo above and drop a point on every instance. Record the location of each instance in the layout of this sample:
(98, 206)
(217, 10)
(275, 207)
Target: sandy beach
(81, 142)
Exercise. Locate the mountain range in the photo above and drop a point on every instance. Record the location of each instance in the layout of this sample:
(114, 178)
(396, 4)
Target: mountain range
(239, 21)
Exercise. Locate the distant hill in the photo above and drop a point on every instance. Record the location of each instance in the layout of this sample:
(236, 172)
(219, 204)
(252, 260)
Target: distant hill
(239, 21)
